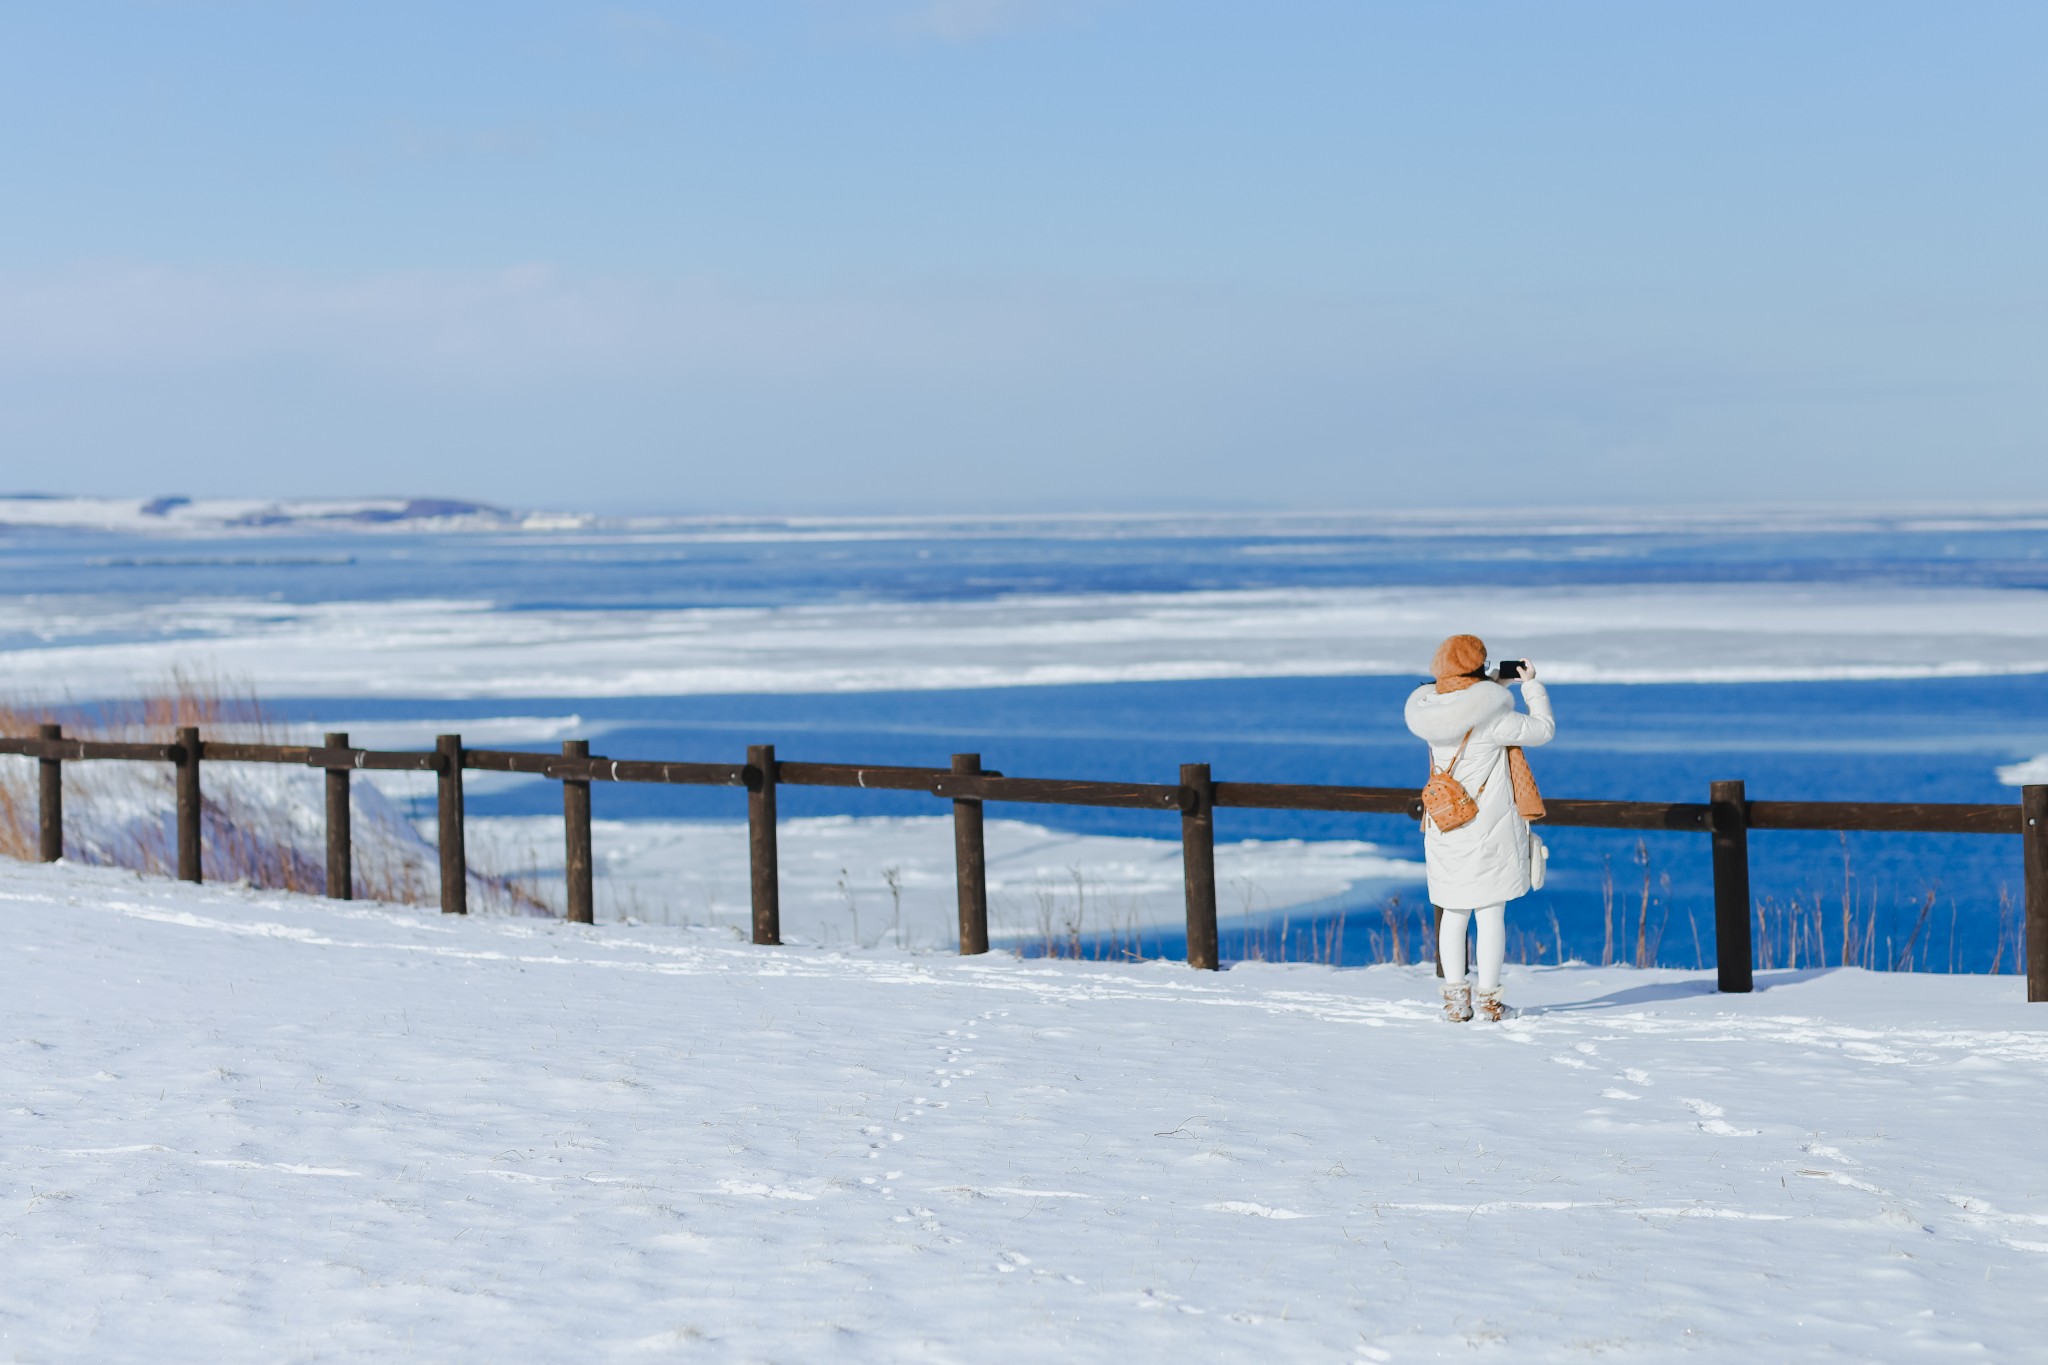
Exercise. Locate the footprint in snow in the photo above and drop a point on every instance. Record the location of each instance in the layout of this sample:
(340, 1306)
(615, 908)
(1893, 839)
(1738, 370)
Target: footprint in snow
(1251, 1210)
(1980, 1211)
(925, 1219)
(1838, 1178)
(1712, 1120)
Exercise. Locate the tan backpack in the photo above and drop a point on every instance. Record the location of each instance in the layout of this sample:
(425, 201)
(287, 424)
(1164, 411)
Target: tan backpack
(1444, 798)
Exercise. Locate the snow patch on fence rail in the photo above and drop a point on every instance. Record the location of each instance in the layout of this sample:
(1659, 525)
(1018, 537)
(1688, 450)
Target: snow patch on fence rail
(434, 648)
(252, 1126)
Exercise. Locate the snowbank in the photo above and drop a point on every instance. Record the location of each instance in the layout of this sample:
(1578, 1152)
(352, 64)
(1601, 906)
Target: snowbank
(890, 880)
(2031, 772)
(244, 1126)
(470, 648)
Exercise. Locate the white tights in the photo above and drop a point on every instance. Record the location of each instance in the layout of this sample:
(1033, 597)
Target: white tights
(1493, 944)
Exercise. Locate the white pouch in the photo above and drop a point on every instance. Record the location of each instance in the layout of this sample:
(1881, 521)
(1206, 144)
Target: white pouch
(1539, 861)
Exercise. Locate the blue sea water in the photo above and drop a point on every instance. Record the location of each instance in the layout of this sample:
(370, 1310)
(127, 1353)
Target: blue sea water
(1925, 740)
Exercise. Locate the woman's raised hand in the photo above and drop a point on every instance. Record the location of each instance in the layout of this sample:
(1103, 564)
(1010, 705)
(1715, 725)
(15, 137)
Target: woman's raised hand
(1528, 673)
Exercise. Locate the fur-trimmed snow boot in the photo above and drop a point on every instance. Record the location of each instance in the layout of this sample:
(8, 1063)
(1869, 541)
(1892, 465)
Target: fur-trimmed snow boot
(1457, 1003)
(1493, 1009)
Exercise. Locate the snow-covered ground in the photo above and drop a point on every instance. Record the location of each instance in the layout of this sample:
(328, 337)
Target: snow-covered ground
(243, 1126)
(424, 647)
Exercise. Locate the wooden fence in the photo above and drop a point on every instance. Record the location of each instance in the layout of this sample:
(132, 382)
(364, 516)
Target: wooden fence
(1726, 817)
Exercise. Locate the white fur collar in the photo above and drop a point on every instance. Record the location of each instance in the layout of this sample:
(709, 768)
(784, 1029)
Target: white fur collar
(1444, 717)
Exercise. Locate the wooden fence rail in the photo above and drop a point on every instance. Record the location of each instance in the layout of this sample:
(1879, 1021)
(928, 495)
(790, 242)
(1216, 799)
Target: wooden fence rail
(1727, 816)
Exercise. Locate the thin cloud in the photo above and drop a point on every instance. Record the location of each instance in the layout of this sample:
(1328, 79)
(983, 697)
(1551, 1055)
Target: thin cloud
(406, 143)
(641, 35)
(536, 324)
(969, 21)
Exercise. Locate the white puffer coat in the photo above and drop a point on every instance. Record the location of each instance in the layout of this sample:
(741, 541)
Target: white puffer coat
(1485, 862)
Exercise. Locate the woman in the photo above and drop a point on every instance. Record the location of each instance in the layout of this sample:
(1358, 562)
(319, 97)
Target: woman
(1469, 721)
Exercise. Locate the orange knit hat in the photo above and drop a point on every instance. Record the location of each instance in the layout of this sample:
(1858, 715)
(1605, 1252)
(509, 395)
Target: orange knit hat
(1457, 663)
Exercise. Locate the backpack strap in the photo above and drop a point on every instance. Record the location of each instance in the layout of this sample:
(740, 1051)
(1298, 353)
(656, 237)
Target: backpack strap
(1433, 770)
(1449, 768)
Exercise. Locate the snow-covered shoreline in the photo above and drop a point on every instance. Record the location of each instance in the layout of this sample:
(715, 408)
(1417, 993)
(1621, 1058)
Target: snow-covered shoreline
(158, 515)
(181, 516)
(244, 1126)
(471, 648)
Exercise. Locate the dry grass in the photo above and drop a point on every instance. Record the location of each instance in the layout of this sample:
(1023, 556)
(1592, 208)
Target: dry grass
(1847, 928)
(259, 823)
(1071, 918)
(18, 786)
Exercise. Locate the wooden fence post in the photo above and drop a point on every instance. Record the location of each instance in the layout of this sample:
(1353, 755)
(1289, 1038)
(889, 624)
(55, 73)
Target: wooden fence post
(340, 848)
(576, 825)
(761, 845)
(50, 800)
(970, 864)
(448, 807)
(2034, 837)
(1198, 865)
(1732, 947)
(191, 805)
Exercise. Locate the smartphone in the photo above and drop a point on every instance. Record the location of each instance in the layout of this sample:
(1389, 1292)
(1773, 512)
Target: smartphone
(1511, 668)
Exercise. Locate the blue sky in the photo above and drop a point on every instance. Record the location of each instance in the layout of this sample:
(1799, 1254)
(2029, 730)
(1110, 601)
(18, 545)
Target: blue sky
(986, 254)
